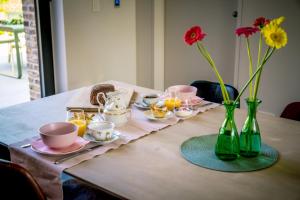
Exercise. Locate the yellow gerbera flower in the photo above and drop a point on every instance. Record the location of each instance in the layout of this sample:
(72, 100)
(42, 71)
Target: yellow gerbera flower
(274, 36)
(277, 21)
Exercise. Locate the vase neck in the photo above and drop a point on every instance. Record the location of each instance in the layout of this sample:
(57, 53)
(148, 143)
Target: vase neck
(230, 109)
(252, 106)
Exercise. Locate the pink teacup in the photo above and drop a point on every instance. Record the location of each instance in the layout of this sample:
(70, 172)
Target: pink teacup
(58, 134)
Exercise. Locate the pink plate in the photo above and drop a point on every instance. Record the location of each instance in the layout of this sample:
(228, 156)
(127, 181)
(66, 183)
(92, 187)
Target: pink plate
(194, 101)
(39, 147)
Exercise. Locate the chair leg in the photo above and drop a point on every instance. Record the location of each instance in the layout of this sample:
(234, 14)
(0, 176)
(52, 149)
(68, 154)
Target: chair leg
(19, 67)
(10, 53)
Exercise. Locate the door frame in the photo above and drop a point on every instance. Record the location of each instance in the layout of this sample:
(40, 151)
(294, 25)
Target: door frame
(44, 37)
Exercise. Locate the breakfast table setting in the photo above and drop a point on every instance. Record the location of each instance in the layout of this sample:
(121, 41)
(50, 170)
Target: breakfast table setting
(132, 143)
(59, 151)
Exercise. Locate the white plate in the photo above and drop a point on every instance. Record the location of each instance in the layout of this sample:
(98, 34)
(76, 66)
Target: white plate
(39, 147)
(87, 136)
(150, 116)
(141, 105)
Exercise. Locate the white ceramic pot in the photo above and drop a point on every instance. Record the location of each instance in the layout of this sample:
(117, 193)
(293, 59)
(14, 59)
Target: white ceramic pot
(119, 118)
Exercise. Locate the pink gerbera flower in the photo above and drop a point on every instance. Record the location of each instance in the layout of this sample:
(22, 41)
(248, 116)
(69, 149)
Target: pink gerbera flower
(193, 35)
(261, 22)
(247, 31)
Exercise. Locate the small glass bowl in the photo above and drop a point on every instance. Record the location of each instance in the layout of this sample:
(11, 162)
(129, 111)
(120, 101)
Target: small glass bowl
(183, 112)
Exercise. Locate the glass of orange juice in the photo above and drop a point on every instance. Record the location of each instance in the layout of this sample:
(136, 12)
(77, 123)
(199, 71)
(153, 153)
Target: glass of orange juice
(172, 101)
(77, 117)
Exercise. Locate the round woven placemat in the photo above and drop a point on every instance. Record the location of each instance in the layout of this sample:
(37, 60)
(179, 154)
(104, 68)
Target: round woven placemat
(200, 151)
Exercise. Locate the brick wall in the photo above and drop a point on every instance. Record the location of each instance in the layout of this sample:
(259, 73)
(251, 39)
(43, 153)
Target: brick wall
(31, 49)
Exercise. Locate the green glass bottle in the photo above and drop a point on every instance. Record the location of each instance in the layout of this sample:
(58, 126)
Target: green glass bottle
(227, 146)
(250, 140)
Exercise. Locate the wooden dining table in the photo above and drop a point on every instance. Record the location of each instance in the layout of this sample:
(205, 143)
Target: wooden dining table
(153, 168)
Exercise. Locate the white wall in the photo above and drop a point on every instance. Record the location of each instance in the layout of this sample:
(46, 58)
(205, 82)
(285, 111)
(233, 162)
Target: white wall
(100, 45)
(145, 46)
(280, 78)
(118, 43)
(183, 63)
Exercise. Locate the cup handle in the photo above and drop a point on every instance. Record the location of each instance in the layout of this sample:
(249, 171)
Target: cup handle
(101, 106)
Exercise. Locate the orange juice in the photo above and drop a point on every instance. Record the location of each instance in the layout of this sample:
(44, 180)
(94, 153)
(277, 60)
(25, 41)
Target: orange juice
(172, 103)
(89, 117)
(81, 124)
(158, 111)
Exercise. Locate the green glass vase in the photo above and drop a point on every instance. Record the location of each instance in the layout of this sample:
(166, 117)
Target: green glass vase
(250, 140)
(227, 146)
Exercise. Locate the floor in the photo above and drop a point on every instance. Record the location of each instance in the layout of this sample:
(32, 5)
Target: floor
(12, 90)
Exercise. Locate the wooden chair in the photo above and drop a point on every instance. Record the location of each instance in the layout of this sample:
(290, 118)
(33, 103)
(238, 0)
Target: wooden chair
(291, 111)
(211, 91)
(17, 183)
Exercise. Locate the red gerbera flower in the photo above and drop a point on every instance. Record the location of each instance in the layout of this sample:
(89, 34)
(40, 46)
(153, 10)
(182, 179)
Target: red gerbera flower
(193, 35)
(247, 31)
(261, 22)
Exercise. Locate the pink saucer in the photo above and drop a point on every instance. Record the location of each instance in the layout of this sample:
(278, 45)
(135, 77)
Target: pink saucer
(39, 147)
(194, 101)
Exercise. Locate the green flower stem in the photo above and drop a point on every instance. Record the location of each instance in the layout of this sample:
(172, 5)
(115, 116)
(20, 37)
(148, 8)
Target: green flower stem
(257, 64)
(206, 55)
(257, 70)
(220, 79)
(259, 50)
(257, 81)
(226, 99)
(250, 67)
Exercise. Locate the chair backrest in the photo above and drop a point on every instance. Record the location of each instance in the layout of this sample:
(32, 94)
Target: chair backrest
(17, 183)
(292, 111)
(211, 91)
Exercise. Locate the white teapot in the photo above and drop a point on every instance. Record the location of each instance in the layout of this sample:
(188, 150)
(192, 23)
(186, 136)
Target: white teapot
(115, 109)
